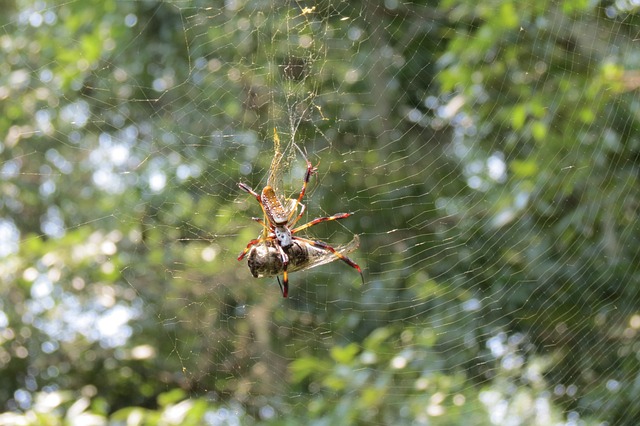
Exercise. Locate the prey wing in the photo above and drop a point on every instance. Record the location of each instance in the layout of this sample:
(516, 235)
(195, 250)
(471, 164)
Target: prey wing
(319, 257)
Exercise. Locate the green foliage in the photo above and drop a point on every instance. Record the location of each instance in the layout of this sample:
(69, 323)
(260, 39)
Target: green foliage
(359, 385)
(61, 408)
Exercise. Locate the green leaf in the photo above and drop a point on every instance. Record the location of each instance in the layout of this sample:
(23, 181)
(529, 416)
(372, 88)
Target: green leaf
(304, 367)
(524, 168)
(171, 397)
(518, 116)
(539, 131)
(508, 15)
(344, 354)
(377, 336)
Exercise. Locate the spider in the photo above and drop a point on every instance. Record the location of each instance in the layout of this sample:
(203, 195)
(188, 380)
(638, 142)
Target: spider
(280, 222)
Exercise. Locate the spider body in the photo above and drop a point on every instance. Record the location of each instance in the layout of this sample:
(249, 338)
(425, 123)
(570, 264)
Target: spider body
(280, 232)
(273, 208)
(277, 216)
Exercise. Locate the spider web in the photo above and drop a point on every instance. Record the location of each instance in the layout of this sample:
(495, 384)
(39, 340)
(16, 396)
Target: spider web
(488, 153)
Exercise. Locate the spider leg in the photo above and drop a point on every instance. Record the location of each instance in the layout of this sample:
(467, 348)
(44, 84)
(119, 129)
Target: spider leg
(260, 221)
(248, 189)
(310, 171)
(327, 247)
(320, 220)
(302, 209)
(251, 244)
(285, 284)
(285, 276)
(281, 288)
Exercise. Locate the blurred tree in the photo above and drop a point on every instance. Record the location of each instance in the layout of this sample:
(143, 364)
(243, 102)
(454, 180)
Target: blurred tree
(489, 151)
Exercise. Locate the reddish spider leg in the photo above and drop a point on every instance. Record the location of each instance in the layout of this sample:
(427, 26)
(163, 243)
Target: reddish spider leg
(248, 189)
(310, 172)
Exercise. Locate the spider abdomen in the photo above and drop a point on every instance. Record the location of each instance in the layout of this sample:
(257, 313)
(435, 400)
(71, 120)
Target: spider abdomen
(273, 207)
